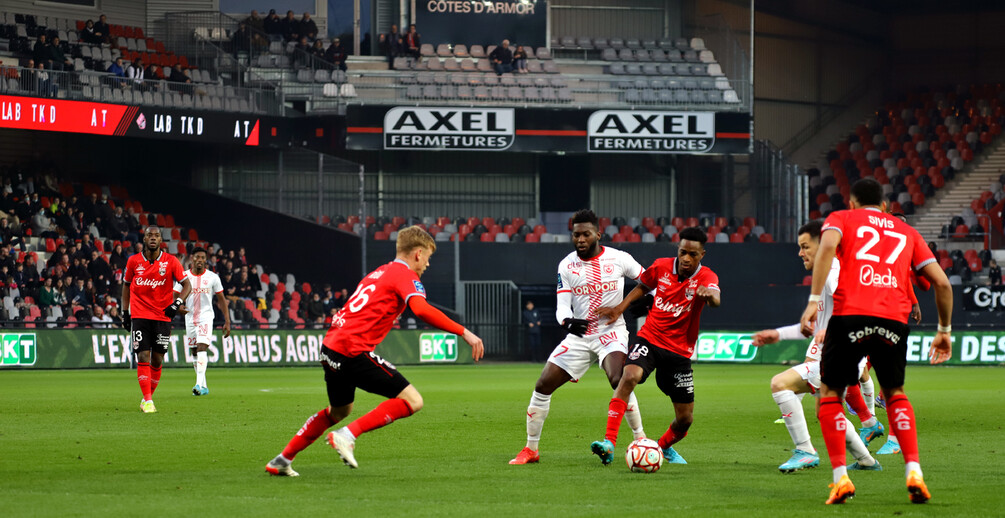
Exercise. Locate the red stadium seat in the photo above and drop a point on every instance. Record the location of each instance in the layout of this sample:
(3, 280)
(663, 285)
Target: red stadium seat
(675, 238)
(473, 222)
(722, 222)
(540, 229)
(750, 222)
(390, 227)
(960, 232)
(143, 220)
(691, 222)
(532, 238)
(487, 237)
(808, 280)
(488, 222)
(518, 222)
(50, 245)
(766, 238)
(175, 234)
(397, 221)
(193, 235)
(380, 236)
(918, 199)
(618, 238)
(634, 238)
(648, 222)
(736, 238)
(161, 221)
(677, 222)
(625, 229)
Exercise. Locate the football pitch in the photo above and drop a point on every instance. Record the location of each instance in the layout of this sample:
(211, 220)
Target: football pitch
(74, 443)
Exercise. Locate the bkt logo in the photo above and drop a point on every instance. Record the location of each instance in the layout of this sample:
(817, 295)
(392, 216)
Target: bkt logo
(437, 347)
(18, 349)
(724, 347)
(595, 288)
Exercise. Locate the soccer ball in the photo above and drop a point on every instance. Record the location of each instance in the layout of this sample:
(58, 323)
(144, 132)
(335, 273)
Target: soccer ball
(644, 456)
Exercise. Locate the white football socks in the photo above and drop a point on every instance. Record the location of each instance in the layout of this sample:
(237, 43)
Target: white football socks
(634, 417)
(856, 447)
(201, 359)
(795, 420)
(869, 395)
(537, 412)
(912, 466)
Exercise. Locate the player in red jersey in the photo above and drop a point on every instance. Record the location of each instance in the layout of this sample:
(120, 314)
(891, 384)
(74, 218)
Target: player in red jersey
(666, 341)
(149, 304)
(872, 303)
(350, 363)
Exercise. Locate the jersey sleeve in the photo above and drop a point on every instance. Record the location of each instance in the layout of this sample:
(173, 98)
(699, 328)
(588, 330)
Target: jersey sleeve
(649, 277)
(834, 222)
(408, 286)
(130, 271)
(562, 285)
(712, 281)
(921, 255)
(632, 267)
(217, 284)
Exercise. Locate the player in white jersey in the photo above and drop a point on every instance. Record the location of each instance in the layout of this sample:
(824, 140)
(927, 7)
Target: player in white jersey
(199, 320)
(591, 277)
(789, 387)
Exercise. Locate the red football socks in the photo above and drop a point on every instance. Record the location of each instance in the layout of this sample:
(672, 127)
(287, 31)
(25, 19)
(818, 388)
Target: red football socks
(854, 398)
(308, 433)
(615, 411)
(670, 438)
(832, 424)
(385, 413)
(901, 416)
(155, 379)
(143, 376)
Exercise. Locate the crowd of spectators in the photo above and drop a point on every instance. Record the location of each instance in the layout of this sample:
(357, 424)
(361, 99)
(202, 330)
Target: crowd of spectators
(309, 50)
(78, 279)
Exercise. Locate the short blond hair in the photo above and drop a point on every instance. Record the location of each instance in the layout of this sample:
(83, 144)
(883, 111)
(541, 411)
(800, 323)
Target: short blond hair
(414, 237)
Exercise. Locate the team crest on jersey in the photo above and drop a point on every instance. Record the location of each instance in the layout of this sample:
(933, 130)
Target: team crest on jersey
(609, 269)
(419, 287)
(162, 268)
(559, 281)
(689, 293)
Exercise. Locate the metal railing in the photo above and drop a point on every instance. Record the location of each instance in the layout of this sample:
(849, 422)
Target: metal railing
(729, 53)
(492, 311)
(106, 87)
(781, 191)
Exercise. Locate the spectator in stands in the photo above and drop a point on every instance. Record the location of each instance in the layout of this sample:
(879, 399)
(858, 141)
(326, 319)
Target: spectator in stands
(240, 41)
(6, 260)
(317, 51)
(102, 30)
(40, 52)
(302, 52)
(273, 25)
(69, 221)
(242, 258)
(135, 72)
(118, 258)
(520, 60)
(57, 59)
(243, 284)
(76, 294)
(995, 273)
(47, 295)
(88, 35)
(532, 321)
(390, 44)
(100, 271)
(46, 87)
(411, 43)
(31, 276)
(308, 27)
(255, 21)
(104, 210)
(113, 314)
(290, 27)
(178, 75)
(253, 278)
(336, 54)
(121, 227)
(119, 72)
(88, 208)
(11, 235)
(40, 223)
(100, 320)
(502, 58)
(316, 309)
(26, 78)
(153, 73)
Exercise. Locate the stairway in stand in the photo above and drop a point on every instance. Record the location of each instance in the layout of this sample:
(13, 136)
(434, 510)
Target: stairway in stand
(958, 193)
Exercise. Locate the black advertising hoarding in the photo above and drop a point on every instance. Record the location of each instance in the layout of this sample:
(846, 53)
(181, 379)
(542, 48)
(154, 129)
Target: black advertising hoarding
(452, 128)
(93, 118)
(474, 22)
(984, 298)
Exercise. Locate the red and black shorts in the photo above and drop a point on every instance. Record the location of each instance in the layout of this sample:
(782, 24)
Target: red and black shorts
(343, 374)
(674, 375)
(851, 337)
(151, 335)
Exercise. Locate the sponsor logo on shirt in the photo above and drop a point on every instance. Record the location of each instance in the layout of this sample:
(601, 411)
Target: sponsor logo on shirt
(559, 281)
(868, 276)
(419, 287)
(670, 307)
(375, 274)
(608, 338)
(595, 288)
(150, 282)
(665, 279)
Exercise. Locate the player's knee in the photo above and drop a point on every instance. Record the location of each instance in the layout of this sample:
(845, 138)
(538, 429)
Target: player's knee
(778, 384)
(684, 421)
(615, 380)
(414, 402)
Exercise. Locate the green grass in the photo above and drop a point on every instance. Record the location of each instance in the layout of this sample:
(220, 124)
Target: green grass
(74, 443)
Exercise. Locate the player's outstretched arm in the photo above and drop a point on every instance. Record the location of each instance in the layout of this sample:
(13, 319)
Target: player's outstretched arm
(436, 318)
(942, 346)
(611, 314)
(711, 297)
(770, 336)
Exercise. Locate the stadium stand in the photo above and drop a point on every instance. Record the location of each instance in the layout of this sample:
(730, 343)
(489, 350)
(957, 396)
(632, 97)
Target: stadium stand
(88, 78)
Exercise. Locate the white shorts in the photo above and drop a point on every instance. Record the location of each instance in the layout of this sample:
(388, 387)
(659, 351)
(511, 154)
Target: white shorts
(810, 371)
(198, 333)
(574, 355)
